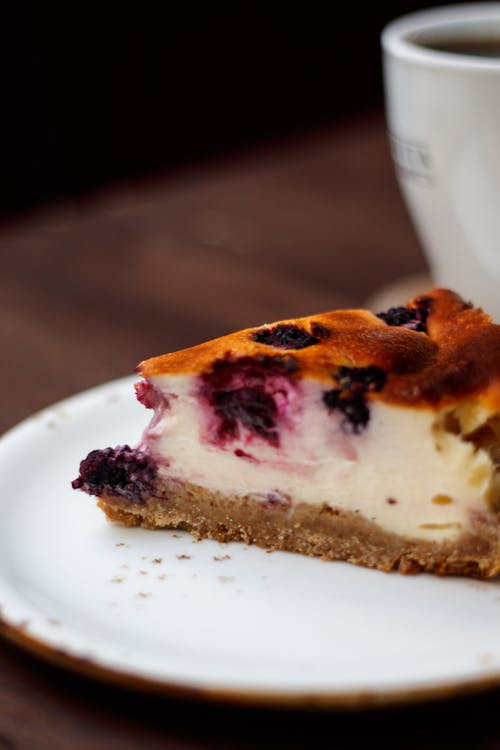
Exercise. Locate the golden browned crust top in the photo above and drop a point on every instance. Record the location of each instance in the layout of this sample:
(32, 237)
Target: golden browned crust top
(455, 359)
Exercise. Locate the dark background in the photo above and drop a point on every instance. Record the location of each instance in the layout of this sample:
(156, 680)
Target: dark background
(98, 93)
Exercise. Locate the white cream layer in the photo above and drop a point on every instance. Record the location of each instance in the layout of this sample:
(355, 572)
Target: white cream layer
(400, 456)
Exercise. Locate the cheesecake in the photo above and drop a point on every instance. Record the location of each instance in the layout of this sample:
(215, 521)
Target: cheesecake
(348, 435)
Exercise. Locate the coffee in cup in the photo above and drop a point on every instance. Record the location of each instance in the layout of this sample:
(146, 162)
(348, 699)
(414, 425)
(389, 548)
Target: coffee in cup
(442, 87)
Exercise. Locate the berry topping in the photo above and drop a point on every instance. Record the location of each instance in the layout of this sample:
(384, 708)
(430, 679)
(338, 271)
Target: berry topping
(349, 398)
(412, 318)
(251, 407)
(355, 411)
(119, 471)
(290, 336)
(249, 392)
(149, 396)
(360, 379)
(248, 369)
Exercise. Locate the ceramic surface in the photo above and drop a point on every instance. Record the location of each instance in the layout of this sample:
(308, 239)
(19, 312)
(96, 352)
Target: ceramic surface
(228, 619)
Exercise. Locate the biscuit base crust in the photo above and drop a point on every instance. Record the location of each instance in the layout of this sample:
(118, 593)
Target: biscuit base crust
(316, 530)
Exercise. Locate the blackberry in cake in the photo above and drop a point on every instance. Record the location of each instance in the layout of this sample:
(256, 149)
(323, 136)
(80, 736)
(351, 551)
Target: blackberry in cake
(373, 439)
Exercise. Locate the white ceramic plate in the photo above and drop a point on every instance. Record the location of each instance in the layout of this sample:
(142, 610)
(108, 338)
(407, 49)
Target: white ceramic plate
(156, 609)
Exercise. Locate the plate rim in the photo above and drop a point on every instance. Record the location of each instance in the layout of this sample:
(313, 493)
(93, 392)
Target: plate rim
(239, 697)
(92, 668)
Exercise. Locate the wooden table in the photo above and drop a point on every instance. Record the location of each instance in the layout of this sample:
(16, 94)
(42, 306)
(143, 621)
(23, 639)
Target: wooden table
(89, 288)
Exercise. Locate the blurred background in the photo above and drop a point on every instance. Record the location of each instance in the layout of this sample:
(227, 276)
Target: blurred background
(174, 171)
(96, 93)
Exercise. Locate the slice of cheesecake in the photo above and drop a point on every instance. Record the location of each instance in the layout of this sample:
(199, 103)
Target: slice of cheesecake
(373, 439)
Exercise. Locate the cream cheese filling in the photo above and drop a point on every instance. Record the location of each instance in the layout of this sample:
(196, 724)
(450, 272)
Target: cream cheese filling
(406, 471)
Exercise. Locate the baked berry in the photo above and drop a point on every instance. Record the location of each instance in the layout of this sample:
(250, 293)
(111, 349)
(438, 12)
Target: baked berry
(355, 411)
(119, 471)
(244, 392)
(250, 407)
(149, 396)
(287, 336)
(349, 397)
(227, 371)
(412, 318)
(355, 379)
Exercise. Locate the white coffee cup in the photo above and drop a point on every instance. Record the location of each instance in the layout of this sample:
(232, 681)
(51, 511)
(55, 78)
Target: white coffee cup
(443, 113)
